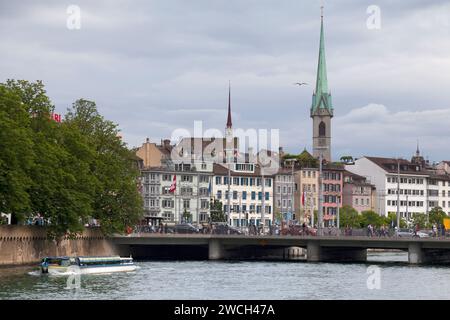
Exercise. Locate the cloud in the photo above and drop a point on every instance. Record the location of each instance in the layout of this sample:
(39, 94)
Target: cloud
(153, 66)
(376, 130)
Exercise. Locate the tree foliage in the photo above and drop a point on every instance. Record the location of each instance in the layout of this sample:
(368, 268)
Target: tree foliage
(65, 172)
(217, 214)
(437, 215)
(348, 216)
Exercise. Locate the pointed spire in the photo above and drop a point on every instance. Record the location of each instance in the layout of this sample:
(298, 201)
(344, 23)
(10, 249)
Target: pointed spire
(229, 123)
(417, 151)
(321, 83)
(321, 96)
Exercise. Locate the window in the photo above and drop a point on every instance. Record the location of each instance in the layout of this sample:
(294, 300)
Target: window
(185, 178)
(267, 195)
(204, 204)
(235, 195)
(268, 182)
(203, 217)
(167, 177)
(225, 180)
(356, 201)
(204, 179)
(253, 195)
(167, 216)
(218, 180)
(322, 129)
(186, 191)
(166, 203)
(219, 194)
(186, 204)
(203, 166)
(244, 195)
(236, 181)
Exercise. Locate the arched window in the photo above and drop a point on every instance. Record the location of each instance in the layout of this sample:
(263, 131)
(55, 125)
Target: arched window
(322, 129)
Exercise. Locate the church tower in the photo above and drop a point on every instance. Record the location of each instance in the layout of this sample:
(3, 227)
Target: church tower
(229, 139)
(322, 107)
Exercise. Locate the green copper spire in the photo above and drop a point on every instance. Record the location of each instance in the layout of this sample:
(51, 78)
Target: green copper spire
(321, 97)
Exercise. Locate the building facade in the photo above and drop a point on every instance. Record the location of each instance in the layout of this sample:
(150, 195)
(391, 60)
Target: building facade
(332, 186)
(357, 192)
(308, 197)
(246, 195)
(284, 195)
(420, 189)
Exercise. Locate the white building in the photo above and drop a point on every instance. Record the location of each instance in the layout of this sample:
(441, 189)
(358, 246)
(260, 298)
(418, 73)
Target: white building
(192, 193)
(246, 193)
(420, 189)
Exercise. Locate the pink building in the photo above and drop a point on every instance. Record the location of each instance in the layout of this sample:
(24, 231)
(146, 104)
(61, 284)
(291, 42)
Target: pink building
(357, 192)
(332, 182)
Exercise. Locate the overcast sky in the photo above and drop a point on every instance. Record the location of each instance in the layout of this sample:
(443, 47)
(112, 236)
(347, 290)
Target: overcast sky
(155, 66)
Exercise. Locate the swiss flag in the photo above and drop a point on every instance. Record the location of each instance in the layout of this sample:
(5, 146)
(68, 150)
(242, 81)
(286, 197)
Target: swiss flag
(173, 186)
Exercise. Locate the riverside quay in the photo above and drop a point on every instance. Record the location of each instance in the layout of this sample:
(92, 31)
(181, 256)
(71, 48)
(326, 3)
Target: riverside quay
(316, 248)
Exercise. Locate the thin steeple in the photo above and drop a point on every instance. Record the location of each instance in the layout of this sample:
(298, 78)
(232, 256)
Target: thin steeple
(417, 151)
(321, 97)
(229, 123)
(321, 83)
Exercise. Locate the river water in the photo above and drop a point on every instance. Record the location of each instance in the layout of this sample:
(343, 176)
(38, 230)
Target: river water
(201, 280)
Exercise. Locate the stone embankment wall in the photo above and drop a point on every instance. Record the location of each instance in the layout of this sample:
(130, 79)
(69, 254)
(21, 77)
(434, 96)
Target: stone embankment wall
(28, 244)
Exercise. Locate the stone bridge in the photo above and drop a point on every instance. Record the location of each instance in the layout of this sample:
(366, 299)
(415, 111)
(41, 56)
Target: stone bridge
(332, 249)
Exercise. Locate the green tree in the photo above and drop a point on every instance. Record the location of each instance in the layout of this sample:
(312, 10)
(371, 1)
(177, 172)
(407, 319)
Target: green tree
(186, 216)
(420, 219)
(348, 216)
(371, 217)
(16, 156)
(437, 215)
(391, 220)
(117, 202)
(217, 214)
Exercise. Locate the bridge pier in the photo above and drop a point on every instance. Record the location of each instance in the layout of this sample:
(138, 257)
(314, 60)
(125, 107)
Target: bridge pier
(313, 251)
(317, 253)
(415, 253)
(215, 250)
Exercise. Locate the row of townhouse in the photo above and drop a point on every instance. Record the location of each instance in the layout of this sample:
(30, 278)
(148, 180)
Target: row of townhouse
(292, 193)
(417, 187)
(200, 182)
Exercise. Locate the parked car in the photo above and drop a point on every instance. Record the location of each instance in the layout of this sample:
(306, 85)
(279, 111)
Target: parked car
(226, 229)
(185, 228)
(405, 233)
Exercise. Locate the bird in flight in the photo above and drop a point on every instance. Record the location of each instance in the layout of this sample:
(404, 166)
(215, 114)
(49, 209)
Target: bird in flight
(300, 83)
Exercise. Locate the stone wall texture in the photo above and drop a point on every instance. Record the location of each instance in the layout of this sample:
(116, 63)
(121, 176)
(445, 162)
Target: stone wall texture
(28, 244)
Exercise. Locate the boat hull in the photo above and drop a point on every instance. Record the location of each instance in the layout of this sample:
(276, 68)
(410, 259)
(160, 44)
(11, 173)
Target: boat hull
(90, 270)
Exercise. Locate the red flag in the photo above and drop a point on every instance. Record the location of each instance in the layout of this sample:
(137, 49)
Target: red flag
(303, 198)
(173, 187)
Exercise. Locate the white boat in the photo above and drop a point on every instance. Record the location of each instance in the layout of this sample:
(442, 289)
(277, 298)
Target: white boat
(86, 265)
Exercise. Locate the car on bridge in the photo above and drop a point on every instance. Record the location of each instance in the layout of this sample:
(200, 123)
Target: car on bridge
(185, 228)
(225, 229)
(409, 233)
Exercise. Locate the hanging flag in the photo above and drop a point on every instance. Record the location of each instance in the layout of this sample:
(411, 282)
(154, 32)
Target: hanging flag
(303, 198)
(173, 186)
(209, 188)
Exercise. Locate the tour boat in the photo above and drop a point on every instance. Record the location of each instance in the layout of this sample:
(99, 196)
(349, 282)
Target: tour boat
(87, 265)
